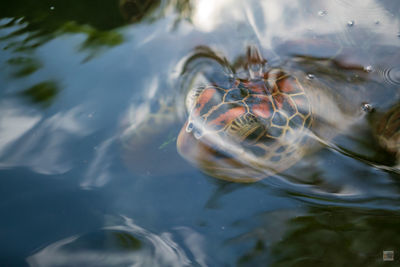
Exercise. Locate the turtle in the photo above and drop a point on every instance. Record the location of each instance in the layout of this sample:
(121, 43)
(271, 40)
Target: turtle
(258, 125)
(249, 120)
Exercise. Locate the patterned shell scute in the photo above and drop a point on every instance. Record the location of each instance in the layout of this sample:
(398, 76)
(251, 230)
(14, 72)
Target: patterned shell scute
(264, 116)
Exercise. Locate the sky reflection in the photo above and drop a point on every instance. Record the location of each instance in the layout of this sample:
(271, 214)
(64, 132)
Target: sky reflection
(43, 140)
(262, 23)
(92, 102)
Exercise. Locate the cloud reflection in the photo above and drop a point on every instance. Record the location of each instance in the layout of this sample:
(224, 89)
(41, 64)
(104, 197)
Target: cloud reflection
(98, 173)
(14, 123)
(39, 143)
(207, 15)
(269, 21)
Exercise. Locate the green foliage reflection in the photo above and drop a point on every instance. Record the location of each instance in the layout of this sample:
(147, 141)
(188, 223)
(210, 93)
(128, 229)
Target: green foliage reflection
(25, 65)
(127, 241)
(328, 236)
(42, 93)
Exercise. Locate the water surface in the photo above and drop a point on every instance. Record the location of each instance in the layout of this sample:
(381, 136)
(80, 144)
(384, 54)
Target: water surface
(89, 170)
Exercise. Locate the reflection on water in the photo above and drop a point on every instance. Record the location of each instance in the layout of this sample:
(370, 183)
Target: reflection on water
(93, 97)
(27, 135)
(134, 11)
(123, 245)
(327, 236)
(26, 65)
(42, 93)
(387, 125)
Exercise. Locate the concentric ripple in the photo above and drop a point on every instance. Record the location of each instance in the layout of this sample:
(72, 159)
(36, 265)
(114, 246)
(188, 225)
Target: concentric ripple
(390, 75)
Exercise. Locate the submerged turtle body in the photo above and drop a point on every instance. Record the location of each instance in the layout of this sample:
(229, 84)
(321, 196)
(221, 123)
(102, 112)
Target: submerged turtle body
(244, 128)
(261, 122)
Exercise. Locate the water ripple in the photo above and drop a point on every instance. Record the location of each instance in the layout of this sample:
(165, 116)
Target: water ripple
(127, 244)
(390, 75)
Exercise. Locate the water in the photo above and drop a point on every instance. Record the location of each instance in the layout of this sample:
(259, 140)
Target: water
(92, 102)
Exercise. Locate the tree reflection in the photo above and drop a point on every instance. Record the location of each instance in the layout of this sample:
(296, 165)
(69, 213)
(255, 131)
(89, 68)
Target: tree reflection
(107, 240)
(40, 22)
(96, 40)
(141, 10)
(24, 38)
(26, 25)
(136, 10)
(45, 17)
(325, 236)
(25, 66)
(337, 236)
(122, 245)
(42, 93)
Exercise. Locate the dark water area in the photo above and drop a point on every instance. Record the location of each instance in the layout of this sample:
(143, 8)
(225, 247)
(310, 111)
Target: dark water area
(93, 96)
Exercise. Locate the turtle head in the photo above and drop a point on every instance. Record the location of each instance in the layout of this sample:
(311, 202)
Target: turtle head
(254, 62)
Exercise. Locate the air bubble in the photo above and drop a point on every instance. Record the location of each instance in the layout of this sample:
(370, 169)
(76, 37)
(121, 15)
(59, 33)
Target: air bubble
(310, 76)
(350, 23)
(189, 127)
(368, 68)
(322, 13)
(366, 107)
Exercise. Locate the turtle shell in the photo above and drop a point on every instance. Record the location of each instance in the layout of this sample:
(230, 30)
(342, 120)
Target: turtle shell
(256, 124)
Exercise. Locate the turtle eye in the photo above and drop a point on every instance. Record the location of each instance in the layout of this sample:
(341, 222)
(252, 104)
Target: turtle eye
(189, 127)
